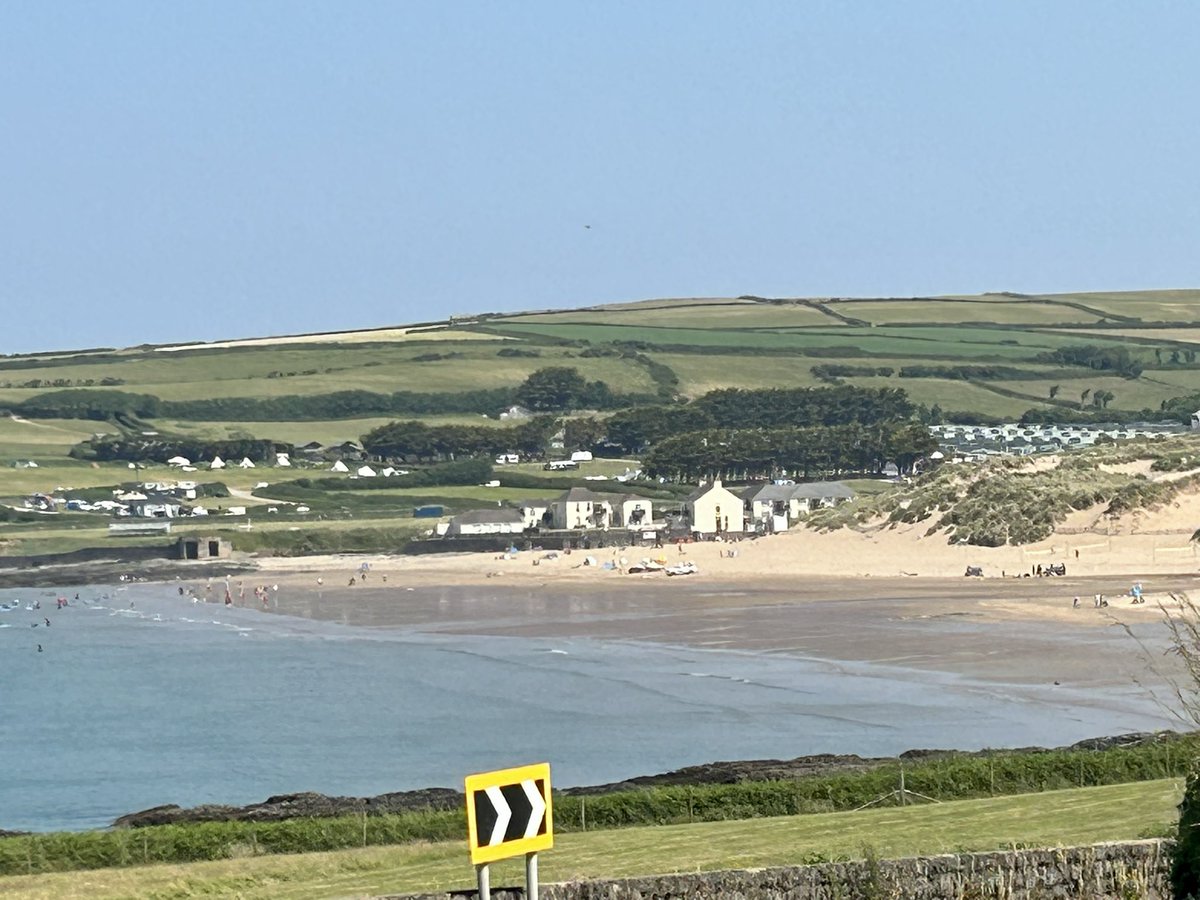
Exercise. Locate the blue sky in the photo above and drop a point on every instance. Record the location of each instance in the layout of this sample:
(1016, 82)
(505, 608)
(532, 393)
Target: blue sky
(178, 171)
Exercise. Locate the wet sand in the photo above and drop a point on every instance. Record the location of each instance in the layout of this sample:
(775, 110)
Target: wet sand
(1015, 631)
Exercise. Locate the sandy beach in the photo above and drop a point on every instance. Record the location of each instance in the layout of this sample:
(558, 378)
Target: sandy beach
(768, 599)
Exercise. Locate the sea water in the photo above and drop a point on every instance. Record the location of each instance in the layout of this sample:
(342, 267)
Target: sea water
(141, 697)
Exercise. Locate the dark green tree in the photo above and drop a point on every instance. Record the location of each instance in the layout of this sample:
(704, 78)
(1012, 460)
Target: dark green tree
(583, 434)
(552, 389)
(1185, 861)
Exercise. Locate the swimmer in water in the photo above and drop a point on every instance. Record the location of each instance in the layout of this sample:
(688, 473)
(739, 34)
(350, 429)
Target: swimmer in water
(39, 648)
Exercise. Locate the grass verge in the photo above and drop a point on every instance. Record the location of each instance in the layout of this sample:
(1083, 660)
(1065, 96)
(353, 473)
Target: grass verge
(1058, 818)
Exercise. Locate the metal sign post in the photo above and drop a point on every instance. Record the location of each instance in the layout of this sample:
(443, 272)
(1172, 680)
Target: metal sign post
(482, 878)
(531, 877)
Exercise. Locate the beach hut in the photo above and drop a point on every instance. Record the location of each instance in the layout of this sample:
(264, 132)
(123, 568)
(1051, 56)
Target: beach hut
(338, 466)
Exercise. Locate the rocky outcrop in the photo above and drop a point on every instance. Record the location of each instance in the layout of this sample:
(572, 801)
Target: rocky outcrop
(297, 806)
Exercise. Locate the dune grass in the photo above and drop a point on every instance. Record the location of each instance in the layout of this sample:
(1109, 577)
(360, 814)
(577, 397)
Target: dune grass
(1054, 818)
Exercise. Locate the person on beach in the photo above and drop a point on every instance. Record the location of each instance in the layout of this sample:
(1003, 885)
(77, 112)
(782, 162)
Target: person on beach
(1075, 603)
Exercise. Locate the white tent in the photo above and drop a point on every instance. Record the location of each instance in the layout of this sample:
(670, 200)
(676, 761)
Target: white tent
(281, 459)
(179, 461)
(388, 472)
(366, 472)
(338, 466)
(246, 463)
(217, 463)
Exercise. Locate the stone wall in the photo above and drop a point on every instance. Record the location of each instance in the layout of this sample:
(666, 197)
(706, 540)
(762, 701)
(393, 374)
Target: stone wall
(1122, 871)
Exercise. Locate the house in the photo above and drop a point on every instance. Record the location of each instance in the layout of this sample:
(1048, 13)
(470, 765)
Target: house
(500, 520)
(580, 508)
(350, 450)
(534, 512)
(714, 509)
(631, 510)
(769, 505)
(815, 494)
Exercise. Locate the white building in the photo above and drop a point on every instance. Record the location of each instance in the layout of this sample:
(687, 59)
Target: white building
(487, 521)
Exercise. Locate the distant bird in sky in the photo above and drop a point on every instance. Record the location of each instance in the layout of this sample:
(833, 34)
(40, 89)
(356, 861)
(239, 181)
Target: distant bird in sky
(587, 226)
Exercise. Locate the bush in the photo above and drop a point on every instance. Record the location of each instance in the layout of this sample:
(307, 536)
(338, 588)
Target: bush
(1185, 860)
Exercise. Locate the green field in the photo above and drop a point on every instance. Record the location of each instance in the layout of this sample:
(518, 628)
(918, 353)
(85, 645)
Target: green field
(704, 344)
(327, 432)
(713, 316)
(1149, 306)
(990, 311)
(1053, 818)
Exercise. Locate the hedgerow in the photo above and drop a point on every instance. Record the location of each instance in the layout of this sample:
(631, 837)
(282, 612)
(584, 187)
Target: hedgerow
(952, 777)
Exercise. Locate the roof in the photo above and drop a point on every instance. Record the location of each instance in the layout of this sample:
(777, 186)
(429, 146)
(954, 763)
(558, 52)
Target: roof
(769, 492)
(704, 489)
(499, 515)
(581, 495)
(537, 503)
(822, 489)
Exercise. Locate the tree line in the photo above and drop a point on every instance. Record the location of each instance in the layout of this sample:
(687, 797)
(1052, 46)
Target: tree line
(550, 389)
(1102, 359)
(765, 453)
(145, 448)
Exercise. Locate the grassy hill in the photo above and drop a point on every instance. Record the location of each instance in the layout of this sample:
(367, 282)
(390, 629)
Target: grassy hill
(677, 347)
